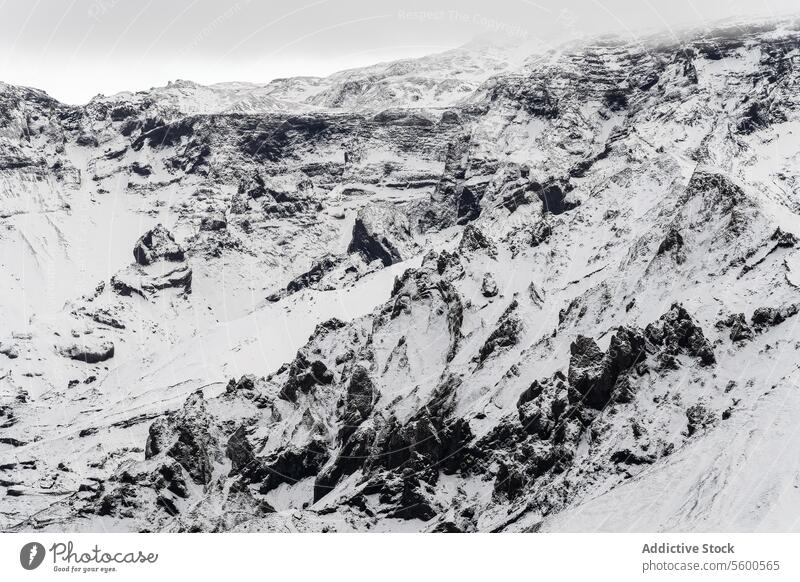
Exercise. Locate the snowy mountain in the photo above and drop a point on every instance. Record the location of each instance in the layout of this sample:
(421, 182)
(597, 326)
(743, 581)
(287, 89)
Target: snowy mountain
(438, 80)
(468, 292)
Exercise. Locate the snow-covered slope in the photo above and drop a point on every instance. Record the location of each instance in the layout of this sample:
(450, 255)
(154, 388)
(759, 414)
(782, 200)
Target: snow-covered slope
(457, 293)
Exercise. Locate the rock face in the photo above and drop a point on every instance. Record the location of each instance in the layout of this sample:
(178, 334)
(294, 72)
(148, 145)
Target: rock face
(505, 335)
(213, 222)
(381, 232)
(186, 438)
(304, 375)
(359, 399)
(156, 244)
(458, 294)
(594, 375)
(677, 333)
(89, 352)
(488, 286)
(765, 317)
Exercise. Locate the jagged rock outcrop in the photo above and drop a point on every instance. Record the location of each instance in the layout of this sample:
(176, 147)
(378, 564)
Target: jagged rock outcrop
(304, 375)
(739, 329)
(473, 239)
(186, 436)
(672, 245)
(289, 466)
(488, 285)
(239, 451)
(90, 352)
(359, 400)
(505, 335)
(213, 222)
(677, 333)
(156, 244)
(594, 375)
(382, 232)
(764, 317)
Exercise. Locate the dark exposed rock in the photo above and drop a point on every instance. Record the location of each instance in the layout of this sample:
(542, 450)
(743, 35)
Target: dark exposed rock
(758, 115)
(505, 335)
(381, 232)
(186, 436)
(402, 117)
(118, 500)
(314, 275)
(516, 193)
(167, 505)
(180, 278)
(449, 203)
(685, 58)
(627, 457)
(9, 350)
(104, 317)
(213, 222)
(678, 333)
(554, 197)
(593, 375)
(166, 135)
(449, 265)
(426, 284)
(580, 169)
(290, 465)
(782, 239)
(585, 365)
(488, 286)
(355, 451)
(446, 527)
(531, 95)
(239, 450)
(765, 317)
(539, 233)
(541, 405)
(411, 503)
(303, 376)
(624, 389)
(122, 287)
(429, 441)
(89, 353)
(122, 112)
(473, 240)
(359, 400)
(87, 141)
(141, 170)
(157, 243)
(509, 482)
(737, 323)
(616, 99)
(536, 294)
(720, 193)
(14, 442)
(468, 202)
(699, 418)
(170, 477)
(245, 387)
(673, 244)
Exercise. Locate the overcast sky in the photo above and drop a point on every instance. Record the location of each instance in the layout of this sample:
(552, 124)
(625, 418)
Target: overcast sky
(75, 49)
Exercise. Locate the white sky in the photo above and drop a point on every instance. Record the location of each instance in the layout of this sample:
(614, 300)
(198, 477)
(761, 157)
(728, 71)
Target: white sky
(75, 49)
